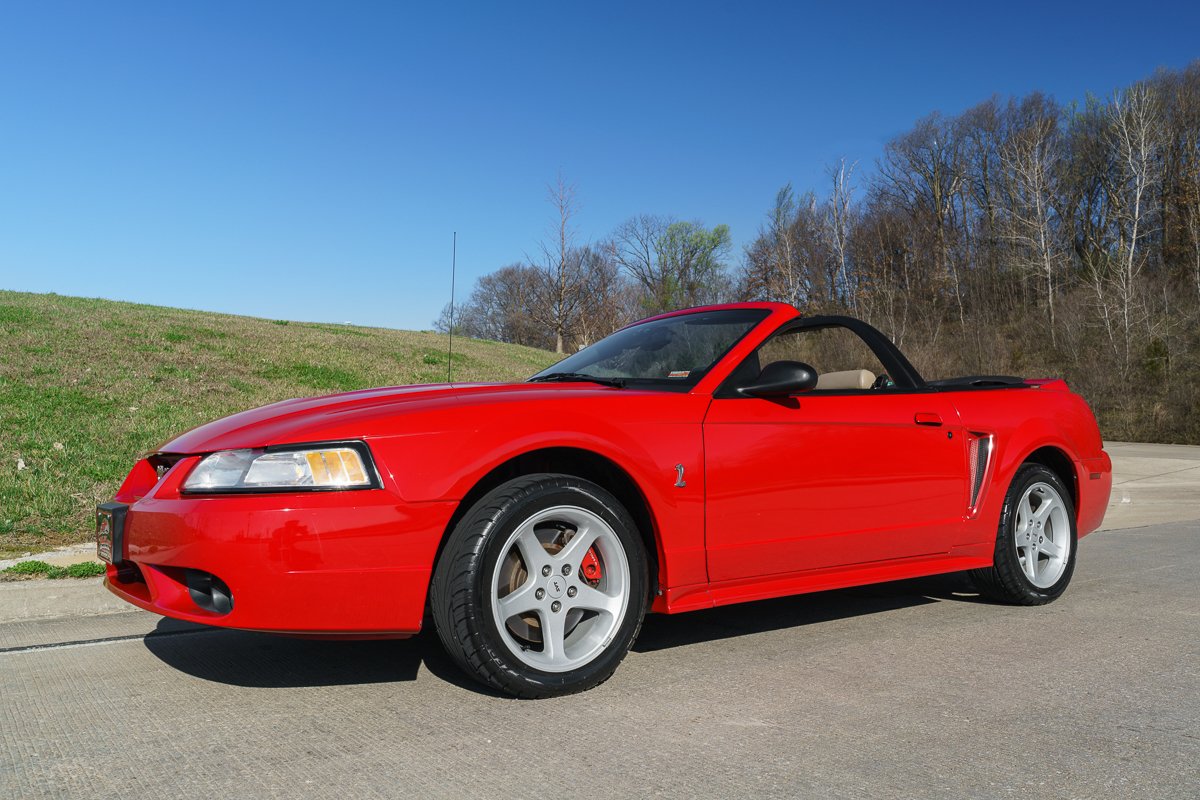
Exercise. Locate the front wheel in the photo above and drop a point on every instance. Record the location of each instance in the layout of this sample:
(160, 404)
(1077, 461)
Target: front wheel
(541, 587)
(1035, 543)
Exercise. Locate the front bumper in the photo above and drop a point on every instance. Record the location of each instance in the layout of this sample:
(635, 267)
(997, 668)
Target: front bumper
(339, 563)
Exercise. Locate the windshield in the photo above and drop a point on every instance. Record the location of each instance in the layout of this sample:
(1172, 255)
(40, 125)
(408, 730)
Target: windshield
(674, 352)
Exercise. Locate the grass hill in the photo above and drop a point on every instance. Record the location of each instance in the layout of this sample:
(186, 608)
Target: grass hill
(88, 385)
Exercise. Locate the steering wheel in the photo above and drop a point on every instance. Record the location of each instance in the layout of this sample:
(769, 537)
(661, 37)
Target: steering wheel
(882, 382)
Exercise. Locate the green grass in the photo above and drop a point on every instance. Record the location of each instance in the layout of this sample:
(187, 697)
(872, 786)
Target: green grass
(40, 569)
(88, 385)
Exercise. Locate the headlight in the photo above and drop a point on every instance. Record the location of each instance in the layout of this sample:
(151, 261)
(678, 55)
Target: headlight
(312, 467)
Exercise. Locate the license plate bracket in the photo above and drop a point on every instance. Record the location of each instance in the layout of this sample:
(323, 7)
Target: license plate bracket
(110, 530)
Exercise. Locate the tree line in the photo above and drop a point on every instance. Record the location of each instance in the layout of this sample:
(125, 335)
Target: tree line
(1021, 236)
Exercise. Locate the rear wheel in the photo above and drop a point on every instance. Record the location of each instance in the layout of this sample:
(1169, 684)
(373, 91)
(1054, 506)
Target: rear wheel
(541, 587)
(1035, 544)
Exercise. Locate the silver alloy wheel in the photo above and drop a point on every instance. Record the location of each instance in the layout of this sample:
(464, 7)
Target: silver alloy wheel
(576, 617)
(1042, 535)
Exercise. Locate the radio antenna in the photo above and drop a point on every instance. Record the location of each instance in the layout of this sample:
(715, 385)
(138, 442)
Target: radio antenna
(453, 269)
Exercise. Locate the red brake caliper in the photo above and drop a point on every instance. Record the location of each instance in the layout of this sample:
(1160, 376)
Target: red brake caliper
(591, 566)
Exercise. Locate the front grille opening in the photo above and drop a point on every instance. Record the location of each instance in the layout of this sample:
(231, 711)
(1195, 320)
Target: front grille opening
(208, 591)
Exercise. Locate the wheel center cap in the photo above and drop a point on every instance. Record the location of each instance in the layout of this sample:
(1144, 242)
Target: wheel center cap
(556, 587)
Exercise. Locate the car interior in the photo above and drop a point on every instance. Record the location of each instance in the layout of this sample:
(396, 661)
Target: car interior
(841, 359)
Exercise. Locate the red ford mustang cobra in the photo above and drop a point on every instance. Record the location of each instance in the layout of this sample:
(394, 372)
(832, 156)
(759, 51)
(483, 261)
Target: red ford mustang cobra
(694, 459)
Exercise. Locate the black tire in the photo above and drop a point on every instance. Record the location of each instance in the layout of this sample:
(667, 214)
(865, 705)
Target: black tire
(461, 589)
(1006, 581)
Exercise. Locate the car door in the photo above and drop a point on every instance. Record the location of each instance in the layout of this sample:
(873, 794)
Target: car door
(835, 476)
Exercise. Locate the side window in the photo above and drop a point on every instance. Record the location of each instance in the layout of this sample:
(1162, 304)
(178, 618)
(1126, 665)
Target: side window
(841, 358)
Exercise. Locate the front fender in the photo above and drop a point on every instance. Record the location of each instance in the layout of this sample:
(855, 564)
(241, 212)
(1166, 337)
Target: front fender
(445, 461)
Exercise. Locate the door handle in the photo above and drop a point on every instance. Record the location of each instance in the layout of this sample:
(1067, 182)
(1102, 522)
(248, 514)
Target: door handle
(927, 418)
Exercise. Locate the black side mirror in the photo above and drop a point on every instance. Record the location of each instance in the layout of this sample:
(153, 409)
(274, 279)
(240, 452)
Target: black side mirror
(782, 379)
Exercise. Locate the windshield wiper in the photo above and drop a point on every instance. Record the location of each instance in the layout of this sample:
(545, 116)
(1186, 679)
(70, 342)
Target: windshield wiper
(559, 377)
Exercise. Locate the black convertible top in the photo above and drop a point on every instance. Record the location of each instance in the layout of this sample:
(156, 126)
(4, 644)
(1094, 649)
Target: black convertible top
(898, 367)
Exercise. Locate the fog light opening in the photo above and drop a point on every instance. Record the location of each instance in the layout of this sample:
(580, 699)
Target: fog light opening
(127, 572)
(208, 591)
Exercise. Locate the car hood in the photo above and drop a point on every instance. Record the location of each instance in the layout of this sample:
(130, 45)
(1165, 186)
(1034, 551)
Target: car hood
(351, 415)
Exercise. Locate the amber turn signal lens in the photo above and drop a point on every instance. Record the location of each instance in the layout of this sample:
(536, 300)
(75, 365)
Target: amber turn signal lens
(340, 467)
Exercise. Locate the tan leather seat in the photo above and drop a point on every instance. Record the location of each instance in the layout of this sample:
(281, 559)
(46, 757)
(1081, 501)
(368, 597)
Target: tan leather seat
(847, 379)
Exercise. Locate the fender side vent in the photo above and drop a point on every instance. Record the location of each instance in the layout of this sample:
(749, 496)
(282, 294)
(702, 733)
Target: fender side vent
(979, 456)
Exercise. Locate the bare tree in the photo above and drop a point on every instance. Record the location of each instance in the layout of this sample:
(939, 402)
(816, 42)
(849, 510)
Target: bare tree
(1087, 212)
(883, 249)
(922, 171)
(561, 268)
(1190, 215)
(502, 308)
(608, 301)
(789, 259)
(838, 224)
(982, 131)
(1133, 136)
(1029, 156)
(783, 276)
(633, 246)
(1181, 168)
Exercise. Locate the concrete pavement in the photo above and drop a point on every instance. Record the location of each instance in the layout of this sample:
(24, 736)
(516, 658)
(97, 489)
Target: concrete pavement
(66, 597)
(1153, 483)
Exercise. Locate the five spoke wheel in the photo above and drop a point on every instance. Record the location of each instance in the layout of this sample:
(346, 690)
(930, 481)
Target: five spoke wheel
(1041, 535)
(1034, 555)
(560, 589)
(542, 586)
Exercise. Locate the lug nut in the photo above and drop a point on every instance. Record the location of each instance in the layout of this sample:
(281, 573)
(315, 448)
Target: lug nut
(572, 591)
(546, 571)
(539, 594)
(555, 606)
(566, 569)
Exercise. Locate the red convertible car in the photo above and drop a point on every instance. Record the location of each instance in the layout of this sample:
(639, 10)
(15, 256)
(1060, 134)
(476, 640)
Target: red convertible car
(694, 459)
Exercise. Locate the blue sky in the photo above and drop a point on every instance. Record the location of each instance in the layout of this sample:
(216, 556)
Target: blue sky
(309, 160)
